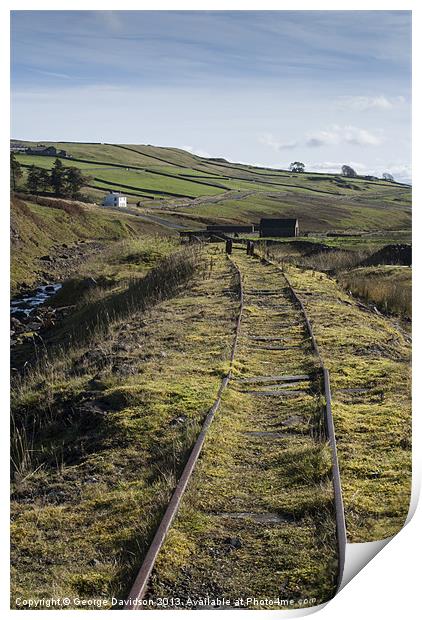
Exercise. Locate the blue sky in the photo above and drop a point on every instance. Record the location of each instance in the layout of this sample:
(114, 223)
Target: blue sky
(270, 87)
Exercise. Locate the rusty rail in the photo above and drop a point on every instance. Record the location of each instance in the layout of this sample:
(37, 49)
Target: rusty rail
(330, 432)
(140, 584)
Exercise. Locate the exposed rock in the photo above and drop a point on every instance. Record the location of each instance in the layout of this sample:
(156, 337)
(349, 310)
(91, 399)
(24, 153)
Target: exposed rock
(178, 421)
(34, 326)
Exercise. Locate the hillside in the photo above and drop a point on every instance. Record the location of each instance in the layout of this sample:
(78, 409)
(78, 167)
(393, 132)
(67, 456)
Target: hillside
(193, 190)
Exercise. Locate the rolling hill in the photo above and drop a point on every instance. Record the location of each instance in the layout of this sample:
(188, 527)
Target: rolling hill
(194, 190)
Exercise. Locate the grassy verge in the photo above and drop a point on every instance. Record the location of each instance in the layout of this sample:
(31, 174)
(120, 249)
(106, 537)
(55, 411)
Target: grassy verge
(386, 286)
(108, 429)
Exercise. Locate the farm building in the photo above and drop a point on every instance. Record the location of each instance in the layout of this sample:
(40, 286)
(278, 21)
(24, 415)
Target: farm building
(17, 148)
(114, 199)
(41, 149)
(276, 227)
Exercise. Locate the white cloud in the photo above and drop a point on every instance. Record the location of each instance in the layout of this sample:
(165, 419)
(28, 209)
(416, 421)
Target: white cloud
(334, 135)
(322, 138)
(347, 134)
(269, 140)
(362, 103)
(355, 135)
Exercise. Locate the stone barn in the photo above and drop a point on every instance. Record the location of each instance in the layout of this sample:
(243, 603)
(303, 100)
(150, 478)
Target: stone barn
(49, 151)
(277, 227)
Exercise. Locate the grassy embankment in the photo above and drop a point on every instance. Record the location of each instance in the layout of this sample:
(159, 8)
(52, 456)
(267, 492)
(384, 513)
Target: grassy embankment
(389, 287)
(38, 230)
(106, 428)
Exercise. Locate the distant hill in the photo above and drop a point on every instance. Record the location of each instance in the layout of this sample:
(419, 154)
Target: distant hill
(211, 189)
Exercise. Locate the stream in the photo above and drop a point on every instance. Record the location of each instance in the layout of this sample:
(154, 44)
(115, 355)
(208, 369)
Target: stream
(29, 313)
(28, 302)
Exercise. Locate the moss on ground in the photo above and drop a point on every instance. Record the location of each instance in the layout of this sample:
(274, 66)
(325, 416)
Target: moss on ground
(368, 357)
(110, 424)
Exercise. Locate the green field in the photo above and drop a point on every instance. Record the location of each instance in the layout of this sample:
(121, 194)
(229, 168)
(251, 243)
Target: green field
(212, 191)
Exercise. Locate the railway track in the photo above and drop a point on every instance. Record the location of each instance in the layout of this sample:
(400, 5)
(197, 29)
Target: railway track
(269, 503)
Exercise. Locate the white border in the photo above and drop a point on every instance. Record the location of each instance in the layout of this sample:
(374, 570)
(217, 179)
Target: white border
(389, 585)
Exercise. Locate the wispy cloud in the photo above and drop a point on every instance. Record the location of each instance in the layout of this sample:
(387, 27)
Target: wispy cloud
(54, 74)
(343, 135)
(245, 85)
(363, 103)
(400, 171)
(277, 145)
(334, 135)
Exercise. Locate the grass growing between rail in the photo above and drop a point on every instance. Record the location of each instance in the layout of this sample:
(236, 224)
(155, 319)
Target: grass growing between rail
(218, 549)
(257, 519)
(108, 430)
(369, 361)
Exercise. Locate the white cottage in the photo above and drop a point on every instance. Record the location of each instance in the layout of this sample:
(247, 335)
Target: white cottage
(114, 199)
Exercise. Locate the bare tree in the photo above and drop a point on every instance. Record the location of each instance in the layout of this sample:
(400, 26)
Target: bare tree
(347, 171)
(387, 176)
